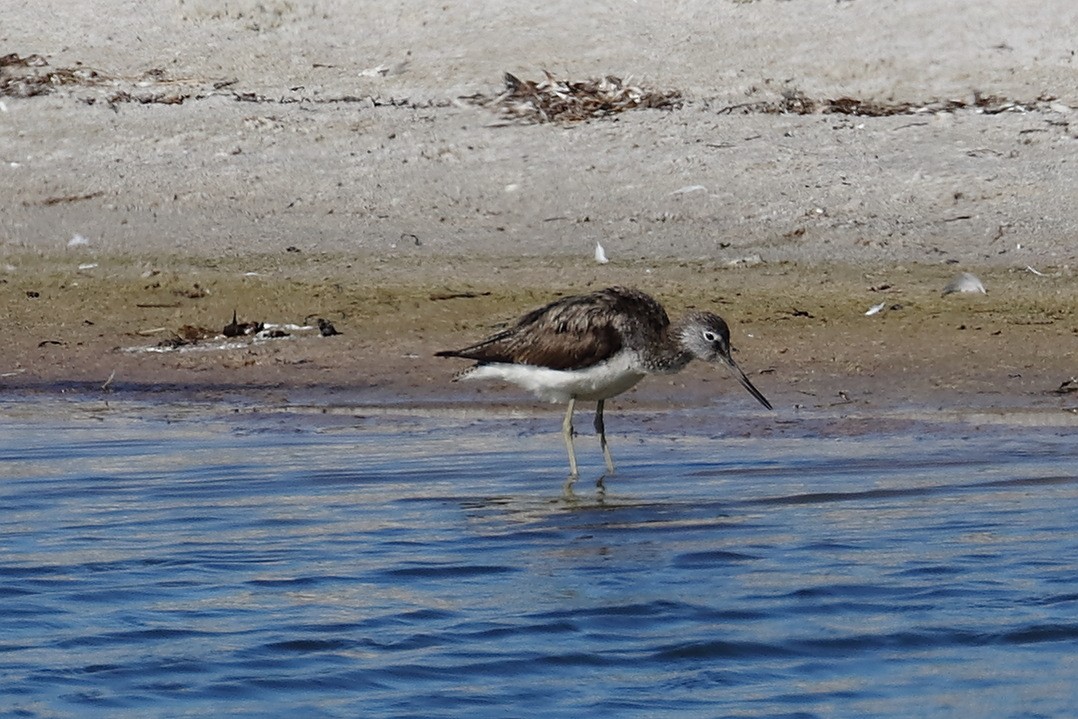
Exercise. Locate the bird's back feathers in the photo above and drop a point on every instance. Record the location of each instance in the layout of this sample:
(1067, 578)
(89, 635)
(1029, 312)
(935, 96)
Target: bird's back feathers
(574, 332)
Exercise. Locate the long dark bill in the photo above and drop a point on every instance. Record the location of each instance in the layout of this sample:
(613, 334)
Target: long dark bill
(746, 383)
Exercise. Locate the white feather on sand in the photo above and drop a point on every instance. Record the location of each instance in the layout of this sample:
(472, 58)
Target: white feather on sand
(964, 282)
(600, 254)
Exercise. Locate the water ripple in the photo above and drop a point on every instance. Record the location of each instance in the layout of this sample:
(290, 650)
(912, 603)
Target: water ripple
(210, 566)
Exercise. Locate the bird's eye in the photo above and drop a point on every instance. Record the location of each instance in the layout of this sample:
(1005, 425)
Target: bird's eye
(709, 336)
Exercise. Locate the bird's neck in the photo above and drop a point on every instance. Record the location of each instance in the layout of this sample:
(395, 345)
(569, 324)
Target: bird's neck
(669, 357)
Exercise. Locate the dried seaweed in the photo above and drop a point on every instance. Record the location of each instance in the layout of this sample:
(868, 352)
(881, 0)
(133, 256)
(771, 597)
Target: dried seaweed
(326, 328)
(794, 102)
(239, 329)
(524, 101)
(553, 100)
(367, 100)
(1068, 386)
(31, 75)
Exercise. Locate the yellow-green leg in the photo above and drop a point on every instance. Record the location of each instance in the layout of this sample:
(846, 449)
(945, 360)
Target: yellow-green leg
(567, 433)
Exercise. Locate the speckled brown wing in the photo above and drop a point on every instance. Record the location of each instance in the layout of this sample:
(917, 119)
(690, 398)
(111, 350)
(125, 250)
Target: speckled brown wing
(573, 332)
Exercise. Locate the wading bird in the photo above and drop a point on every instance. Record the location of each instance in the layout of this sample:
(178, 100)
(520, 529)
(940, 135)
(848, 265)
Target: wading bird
(593, 347)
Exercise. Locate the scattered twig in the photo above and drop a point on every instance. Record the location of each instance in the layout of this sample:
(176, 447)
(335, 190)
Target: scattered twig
(437, 296)
(59, 200)
(911, 124)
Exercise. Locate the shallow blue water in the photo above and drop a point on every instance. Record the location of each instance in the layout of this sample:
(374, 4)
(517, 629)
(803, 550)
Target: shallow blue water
(187, 561)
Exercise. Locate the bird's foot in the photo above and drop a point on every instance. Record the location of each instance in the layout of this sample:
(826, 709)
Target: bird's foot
(600, 488)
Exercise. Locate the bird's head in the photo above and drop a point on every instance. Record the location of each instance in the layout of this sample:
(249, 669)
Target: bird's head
(707, 337)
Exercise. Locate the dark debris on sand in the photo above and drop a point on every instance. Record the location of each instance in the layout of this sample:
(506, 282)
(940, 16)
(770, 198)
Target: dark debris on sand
(795, 102)
(554, 100)
(31, 75)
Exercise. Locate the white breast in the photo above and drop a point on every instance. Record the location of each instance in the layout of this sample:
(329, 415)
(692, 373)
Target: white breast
(602, 381)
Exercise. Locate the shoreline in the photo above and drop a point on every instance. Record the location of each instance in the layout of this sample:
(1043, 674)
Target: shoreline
(801, 332)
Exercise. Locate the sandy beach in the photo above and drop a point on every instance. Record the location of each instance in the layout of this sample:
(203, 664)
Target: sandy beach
(169, 163)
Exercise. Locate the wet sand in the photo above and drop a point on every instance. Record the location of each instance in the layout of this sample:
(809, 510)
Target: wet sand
(271, 159)
(800, 332)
